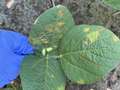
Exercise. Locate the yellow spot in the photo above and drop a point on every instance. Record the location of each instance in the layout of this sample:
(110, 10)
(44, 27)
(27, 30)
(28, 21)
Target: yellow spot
(60, 24)
(115, 38)
(61, 13)
(81, 82)
(86, 29)
(56, 29)
(34, 41)
(60, 87)
(93, 36)
(50, 30)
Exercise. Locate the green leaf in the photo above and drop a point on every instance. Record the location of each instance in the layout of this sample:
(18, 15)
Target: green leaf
(88, 53)
(42, 74)
(113, 3)
(50, 26)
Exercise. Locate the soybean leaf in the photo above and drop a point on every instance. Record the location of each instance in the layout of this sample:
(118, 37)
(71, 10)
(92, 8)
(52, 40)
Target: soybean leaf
(88, 53)
(50, 26)
(42, 74)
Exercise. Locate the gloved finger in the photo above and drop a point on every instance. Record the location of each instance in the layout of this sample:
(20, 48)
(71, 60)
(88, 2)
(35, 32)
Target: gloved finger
(3, 83)
(23, 47)
(10, 68)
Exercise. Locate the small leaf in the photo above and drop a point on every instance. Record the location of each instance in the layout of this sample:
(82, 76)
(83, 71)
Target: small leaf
(42, 74)
(88, 53)
(50, 26)
(113, 3)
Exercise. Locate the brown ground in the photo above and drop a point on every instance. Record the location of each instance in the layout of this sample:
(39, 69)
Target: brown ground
(21, 15)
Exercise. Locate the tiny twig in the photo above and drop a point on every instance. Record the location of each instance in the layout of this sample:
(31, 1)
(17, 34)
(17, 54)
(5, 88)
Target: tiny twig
(53, 2)
(109, 23)
(110, 20)
(116, 13)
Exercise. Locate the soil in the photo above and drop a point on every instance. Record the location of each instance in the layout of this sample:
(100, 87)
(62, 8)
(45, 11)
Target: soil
(22, 14)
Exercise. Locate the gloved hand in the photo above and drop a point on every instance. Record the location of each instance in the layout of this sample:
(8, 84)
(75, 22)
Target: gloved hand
(13, 47)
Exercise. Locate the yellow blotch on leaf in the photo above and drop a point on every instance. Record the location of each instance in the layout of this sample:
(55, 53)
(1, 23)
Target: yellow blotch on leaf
(81, 81)
(60, 24)
(34, 41)
(86, 29)
(61, 13)
(115, 38)
(50, 30)
(93, 36)
(60, 88)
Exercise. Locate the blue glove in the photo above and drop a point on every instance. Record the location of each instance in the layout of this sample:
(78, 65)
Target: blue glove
(13, 47)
